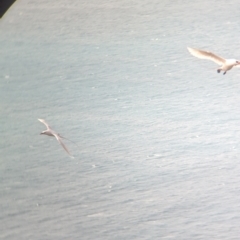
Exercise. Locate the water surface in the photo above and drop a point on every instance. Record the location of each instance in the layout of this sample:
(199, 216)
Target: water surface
(158, 130)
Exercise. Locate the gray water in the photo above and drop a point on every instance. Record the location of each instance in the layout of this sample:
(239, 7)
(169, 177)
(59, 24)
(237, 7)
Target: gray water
(158, 130)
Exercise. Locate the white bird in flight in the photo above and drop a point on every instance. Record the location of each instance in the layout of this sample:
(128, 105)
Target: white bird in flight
(226, 64)
(52, 133)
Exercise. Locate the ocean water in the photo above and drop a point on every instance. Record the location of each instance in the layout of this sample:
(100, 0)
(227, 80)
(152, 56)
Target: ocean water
(158, 131)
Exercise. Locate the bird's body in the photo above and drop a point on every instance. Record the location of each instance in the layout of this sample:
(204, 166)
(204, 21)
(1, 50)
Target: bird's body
(226, 64)
(52, 133)
(48, 132)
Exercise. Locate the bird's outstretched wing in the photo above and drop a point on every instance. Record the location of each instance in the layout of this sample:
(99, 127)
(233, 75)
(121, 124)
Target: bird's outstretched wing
(206, 55)
(44, 122)
(63, 145)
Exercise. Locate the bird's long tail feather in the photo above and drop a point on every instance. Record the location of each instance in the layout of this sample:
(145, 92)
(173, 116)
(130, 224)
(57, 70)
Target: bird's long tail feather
(69, 140)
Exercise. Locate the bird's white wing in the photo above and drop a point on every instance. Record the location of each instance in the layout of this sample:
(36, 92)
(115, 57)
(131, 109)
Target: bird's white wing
(44, 122)
(206, 55)
(63, 145)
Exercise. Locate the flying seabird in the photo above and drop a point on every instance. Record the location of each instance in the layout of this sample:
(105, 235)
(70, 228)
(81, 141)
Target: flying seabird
(226, 64)
(52, 133)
